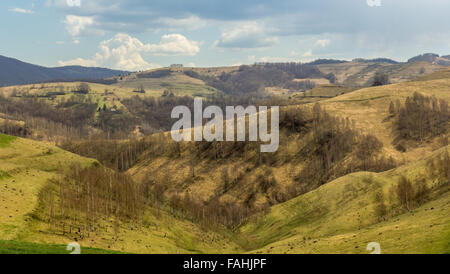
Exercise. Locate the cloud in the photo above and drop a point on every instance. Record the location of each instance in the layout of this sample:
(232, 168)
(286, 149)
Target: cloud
(73, 3)
(174, 44)
(20, 10)
(76, 24)
(322, 43)
(125, 52)
(245, 36)
(374, 3)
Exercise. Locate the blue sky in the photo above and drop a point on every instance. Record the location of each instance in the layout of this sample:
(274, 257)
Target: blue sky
(138, 34)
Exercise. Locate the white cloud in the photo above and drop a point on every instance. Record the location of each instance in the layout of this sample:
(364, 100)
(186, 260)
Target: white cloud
(246, 35)
(125, 52)
(173, 44)
(374, 3)
(322, 43)
(20, 10)
(76, 24)
(73, 3)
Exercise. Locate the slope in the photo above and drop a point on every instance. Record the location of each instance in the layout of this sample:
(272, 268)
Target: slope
(25, 169)
(339, 217)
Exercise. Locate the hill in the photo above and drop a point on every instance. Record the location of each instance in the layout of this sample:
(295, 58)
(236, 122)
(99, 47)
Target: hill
(431, 58)
(361, 72)
(27, 169)
(15, 72)
(340, 217)
(233, 172)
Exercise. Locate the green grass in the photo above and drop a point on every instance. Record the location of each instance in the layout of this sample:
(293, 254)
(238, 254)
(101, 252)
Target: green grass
(14, 247)
(4, 174)
(5, 140)
(339, 217)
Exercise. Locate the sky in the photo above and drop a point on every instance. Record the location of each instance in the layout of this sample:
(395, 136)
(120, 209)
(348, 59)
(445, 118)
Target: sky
(138, 35)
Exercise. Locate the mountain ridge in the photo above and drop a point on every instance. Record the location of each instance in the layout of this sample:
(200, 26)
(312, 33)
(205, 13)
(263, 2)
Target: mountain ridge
(16, 72)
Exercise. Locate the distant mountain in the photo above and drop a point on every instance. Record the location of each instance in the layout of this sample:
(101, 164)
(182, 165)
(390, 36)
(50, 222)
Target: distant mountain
(376, 60)
(326, 62)
(432, 58)
(15, 72)
(427, 57)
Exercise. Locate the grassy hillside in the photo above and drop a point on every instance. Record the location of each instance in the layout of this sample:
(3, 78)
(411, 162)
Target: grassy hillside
(25, 169)
(361, 73)
(334, 214)
(160, 80)
(26, 166)
(339, 218)
(369, 109)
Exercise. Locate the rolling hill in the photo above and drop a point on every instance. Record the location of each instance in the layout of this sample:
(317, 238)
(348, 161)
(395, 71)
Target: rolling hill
(26, 168)
(367, 109)
(257, 203)
(339, 218)
(15, 72)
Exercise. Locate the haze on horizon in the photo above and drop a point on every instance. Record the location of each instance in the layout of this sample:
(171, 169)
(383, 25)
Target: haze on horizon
(139, 35)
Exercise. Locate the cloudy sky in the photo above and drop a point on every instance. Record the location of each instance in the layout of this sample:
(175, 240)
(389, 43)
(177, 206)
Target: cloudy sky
(142, 34)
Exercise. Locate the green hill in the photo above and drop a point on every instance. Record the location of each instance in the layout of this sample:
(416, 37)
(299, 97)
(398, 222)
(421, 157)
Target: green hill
(339, 217)
(26, 168)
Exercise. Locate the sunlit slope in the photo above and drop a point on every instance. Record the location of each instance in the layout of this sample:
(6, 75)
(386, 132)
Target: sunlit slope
(159, 80)
(25, 168)
(369, 109)
(362, 73)
(441, 74)
(339, 218)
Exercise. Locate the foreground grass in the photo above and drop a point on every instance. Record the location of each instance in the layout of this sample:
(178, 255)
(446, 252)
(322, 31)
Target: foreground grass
(5, 140)
(14, 247)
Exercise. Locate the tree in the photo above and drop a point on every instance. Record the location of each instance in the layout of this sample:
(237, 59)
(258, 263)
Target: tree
(405, 193)
(380, 207)
(82, 88)
(367, 148)
(380, 79)
(392, 109)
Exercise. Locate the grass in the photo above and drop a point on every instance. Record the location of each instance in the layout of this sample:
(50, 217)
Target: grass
(368, 108)
(14, 247)
(26, 168)
(5, 140)
(339, 218)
